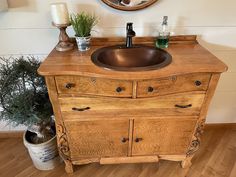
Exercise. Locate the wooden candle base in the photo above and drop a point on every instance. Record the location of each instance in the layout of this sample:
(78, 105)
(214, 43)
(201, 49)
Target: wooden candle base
(64, 46)
(64, 43)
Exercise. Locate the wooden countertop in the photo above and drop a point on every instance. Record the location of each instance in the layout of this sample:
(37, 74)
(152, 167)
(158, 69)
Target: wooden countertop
(187, 57)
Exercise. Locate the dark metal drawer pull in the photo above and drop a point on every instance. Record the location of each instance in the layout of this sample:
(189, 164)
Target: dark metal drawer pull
(124, 140)
(80, 109)
(150, 89)
(119, 89)
(198, 83)
(138, 140)
(183, 106)
(69, 85)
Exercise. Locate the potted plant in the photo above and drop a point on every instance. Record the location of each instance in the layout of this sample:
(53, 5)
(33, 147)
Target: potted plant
(82, 24)
(24, 101)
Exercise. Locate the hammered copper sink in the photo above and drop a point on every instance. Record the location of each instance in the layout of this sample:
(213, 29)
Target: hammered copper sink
(136, 58)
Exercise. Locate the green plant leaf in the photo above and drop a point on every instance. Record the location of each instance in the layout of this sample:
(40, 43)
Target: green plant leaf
(83, 23)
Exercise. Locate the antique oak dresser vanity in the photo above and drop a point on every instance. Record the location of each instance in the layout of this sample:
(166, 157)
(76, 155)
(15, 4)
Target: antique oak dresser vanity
(114, 117)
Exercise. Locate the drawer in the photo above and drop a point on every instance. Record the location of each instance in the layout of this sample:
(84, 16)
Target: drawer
(176, 104)
(174, 84)
(93, 86)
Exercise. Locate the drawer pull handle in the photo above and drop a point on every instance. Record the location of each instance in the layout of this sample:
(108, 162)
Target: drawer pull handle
(119, 89)
(124, 140)
(69, 85)
(138, 140)
(198, 83)
(150, 89)
(80, 109)
(183, 106)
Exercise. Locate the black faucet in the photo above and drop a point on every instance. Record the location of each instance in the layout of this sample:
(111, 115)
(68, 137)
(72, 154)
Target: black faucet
(129, 34)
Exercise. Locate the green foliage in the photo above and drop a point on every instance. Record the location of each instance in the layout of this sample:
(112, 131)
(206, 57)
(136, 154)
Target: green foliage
(23, 93)
(83, 23)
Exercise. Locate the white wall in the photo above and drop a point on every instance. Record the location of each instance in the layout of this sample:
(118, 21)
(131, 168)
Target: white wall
(26, 29)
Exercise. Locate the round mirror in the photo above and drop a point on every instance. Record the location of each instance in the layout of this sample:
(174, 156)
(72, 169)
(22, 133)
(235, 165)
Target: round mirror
(129, 5)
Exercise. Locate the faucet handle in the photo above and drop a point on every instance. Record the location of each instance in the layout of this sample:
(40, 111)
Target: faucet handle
(129, 26)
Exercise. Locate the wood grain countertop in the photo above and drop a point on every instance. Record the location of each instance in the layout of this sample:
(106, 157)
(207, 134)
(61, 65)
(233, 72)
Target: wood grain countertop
(187, 57)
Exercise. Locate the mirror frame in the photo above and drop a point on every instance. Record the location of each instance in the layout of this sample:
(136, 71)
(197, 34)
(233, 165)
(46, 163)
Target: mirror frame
(124, 8)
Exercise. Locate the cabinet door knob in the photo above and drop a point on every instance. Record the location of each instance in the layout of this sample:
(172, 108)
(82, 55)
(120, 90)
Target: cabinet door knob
(150, 89)
(138, 140)
(183, 106)
(124, 140)
(119, 89)
(69, 85)
(80, 109)
(198, 83)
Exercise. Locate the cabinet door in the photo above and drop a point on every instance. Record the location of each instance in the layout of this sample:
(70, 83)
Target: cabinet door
(97, 138)
(162, 136)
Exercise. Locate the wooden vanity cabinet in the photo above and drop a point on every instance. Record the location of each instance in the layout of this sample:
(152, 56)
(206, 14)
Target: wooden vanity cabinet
(104, 124)
(131, 117)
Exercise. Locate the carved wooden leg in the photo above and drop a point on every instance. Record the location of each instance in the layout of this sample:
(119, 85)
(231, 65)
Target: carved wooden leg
(194, 146)
(64, 149)
(186, 162)
(69, 166)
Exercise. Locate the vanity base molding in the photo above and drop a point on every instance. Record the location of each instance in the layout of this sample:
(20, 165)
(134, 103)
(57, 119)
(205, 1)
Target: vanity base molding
(184, 160)
(138, 159)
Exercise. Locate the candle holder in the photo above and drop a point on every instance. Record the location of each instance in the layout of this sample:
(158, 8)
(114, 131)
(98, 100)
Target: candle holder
(64, 43)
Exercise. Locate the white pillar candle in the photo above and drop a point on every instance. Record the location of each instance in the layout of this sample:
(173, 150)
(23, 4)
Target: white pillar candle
(3, 5)
(60, 15)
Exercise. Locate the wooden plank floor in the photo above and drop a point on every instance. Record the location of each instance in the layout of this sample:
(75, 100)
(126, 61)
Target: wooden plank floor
(216, 158)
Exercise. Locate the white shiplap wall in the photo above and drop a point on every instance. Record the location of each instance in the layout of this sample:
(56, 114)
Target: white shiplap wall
(25, 29)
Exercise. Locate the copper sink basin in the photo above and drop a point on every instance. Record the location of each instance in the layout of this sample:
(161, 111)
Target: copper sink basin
(137, 58)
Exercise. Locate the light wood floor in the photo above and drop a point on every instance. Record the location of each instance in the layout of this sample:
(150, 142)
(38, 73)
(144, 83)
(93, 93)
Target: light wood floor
(216, 158)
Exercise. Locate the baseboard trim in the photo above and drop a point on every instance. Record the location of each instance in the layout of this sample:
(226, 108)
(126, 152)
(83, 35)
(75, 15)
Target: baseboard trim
(221, 125)
(19, 134)
(11, 134)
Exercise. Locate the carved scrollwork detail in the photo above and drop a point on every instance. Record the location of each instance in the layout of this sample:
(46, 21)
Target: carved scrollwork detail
(200, 127)
(93, 80)
(63, 145)
(174, 78)
(195, 144)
